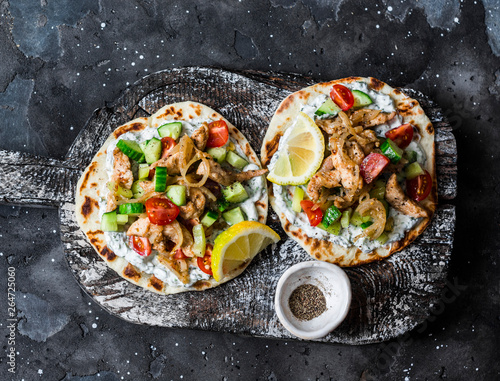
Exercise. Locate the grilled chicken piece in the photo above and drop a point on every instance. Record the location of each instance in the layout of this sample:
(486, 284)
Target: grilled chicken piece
(381, 118)
(195, 206)
(400, 201)
(140, 227)
(122, 174)
(200, 136)
(328, 179)
(226, 177)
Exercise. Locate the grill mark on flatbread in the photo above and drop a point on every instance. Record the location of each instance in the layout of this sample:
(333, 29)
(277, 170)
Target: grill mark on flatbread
(88, 207)
(95, 238)
(270, 148)
(156, 283)
(407, 108)
(128, 128)
(90, 170)
(430, 128)
(376, 84)
(108, 254)
(201, 285)
(132, 273)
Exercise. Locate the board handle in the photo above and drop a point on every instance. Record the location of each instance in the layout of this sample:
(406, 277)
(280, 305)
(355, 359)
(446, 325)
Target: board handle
(34, 180)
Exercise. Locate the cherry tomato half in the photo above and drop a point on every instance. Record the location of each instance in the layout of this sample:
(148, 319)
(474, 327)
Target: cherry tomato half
(205, 263)
(161, 211)
(315, 216)
(342, 97)
(167, 143)
(402, 135)
(419, 187)
(140, 245)
(218, 134)
(372, 165)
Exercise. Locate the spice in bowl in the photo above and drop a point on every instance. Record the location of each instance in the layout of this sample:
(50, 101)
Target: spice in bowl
(307, 302)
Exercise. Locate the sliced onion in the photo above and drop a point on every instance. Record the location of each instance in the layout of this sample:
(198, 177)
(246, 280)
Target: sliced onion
(204, 162)
(373, 208)
(208, 193)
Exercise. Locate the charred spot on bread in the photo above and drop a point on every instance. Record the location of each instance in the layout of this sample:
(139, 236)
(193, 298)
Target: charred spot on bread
(92, 167)
(376, 84)
(128, 128)
(156, 283)
(108, 254)
(270, 148)
(131, 272)
(429, 128)
(88, 207)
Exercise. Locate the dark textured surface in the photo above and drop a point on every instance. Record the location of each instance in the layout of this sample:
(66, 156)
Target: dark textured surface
(82, 57)
(389, 297)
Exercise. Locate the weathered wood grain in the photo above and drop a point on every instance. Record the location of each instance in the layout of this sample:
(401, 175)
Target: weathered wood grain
(389, 297)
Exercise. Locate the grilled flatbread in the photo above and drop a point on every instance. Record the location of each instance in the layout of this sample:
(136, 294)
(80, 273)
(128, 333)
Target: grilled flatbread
(93, 199)
(346, 249)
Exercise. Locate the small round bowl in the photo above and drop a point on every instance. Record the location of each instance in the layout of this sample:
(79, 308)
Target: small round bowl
(333, 283)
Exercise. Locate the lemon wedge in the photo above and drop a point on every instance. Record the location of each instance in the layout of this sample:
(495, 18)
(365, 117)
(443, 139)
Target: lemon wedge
(300, 155)
(238, 245)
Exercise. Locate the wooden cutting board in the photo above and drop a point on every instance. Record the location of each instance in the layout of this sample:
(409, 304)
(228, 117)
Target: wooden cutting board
(389, 297)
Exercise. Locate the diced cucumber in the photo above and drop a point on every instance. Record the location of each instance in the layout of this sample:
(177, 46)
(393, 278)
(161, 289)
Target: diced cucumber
(160, 179)
(236, 160)
(143, 171)
(391, 150)
(366, 224)
(222, 204)
(152, 152)
(172, 130)
(121, 219)
(233, 216)
(131, 149)
(199, 240)
(383, 238)
(137, 189)
(328, 107)
(177, 193)
(334, 228)
(235, 193)
(357, 219)
(389, 224)
(361, 99)
(131, 209)
(108, 222)
(411, 156)
(386, 206)
(413, 170)
(218, 153)
(331, 215)
(127, 193)
(209, 218)
(346, 217)
(378, 190)
(298, 196)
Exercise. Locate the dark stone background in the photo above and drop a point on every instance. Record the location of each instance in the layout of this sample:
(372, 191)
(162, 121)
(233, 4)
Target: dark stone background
(62, 59)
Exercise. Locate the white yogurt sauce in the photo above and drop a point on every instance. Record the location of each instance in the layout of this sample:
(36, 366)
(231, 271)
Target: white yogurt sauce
(118, 241)
(283, 194)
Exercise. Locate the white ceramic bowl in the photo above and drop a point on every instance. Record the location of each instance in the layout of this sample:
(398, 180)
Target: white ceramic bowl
(334, 284)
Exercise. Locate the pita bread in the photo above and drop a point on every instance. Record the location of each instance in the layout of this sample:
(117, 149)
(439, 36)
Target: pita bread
(90, 189)
(410, 111)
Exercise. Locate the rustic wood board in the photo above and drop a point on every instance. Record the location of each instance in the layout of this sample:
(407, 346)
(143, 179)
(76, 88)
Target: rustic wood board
(389, 297)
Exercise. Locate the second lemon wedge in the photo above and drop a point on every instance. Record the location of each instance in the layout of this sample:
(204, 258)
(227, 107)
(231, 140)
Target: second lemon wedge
(300, 155)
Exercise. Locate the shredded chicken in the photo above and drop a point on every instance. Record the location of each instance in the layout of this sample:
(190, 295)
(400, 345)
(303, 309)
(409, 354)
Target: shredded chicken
(122, 174)
(200, 136)
(347, 167)
(400, 201)
(195, 206)
(227, 177)
(328, 179)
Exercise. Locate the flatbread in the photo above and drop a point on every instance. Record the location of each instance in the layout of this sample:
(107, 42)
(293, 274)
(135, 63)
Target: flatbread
(411, 112)
(90, 189)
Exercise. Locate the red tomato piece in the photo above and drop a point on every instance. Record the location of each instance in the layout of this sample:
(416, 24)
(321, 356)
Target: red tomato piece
(140, 245)
(342, 97)
(179, 254)
(419, 187)
(167, 143)
(161, 211)
(315, 215)
(218, 134)
(402, 135)
(372, 165)
(205, 263)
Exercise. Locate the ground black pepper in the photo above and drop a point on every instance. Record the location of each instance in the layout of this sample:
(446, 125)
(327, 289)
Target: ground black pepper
(307, 302)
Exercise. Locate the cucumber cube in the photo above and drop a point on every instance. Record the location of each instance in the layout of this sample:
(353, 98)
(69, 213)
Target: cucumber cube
(218, 153)
(152, 151)
(209, 218)
(235, 193)
(172, 130)
(236, 160)
(233, 216)
(177, 193)
(108, 222)
(298, 196)
(143, 171)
